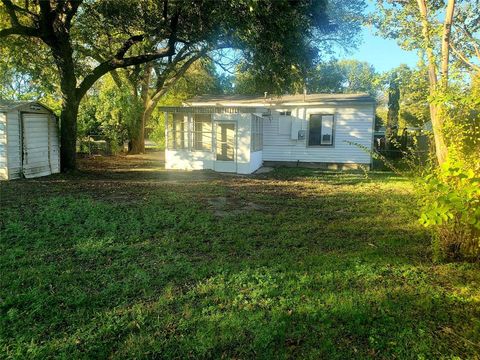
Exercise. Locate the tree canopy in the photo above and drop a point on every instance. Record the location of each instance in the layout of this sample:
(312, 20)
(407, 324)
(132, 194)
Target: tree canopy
(85, 40)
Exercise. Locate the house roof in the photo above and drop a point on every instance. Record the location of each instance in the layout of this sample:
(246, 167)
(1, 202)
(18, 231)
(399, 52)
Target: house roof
(245, 100)
(8, 105)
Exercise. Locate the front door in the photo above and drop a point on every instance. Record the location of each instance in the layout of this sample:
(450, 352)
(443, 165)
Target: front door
(225, 147)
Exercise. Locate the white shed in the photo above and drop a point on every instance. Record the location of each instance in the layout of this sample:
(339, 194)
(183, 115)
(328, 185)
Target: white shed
(29, 141)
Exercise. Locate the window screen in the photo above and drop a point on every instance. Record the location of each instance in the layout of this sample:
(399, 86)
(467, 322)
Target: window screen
(257, 134)
(321, 130)
(178, 132)
(202, 132)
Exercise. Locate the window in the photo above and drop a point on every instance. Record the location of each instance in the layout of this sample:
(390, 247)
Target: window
(202, 132)
(320, 130)
(257, 133)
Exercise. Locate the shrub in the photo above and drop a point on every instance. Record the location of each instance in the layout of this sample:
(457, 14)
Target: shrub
(450, 200)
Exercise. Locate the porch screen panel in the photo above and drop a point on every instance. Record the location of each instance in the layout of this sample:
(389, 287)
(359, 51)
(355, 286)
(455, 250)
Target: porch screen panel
(257, 133)
(202, 132)
(178, 134)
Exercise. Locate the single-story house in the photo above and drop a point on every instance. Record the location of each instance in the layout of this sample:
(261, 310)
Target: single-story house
(241, 133)
(29, 141)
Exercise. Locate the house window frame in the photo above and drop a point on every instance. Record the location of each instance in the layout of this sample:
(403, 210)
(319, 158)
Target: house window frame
(333, 130)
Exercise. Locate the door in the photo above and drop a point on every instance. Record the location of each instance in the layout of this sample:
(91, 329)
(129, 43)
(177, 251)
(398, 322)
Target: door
(225, 147)
(36, 157)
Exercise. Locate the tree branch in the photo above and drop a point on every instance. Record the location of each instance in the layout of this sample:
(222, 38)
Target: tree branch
(21, 30)
(18, 8)
(127, 45)
(115, 63)
(11, 13)
(447, 28)
(74, 4)
(120, 62)
(464, 58)
(17, 28)
(160, 91)
(475, 42)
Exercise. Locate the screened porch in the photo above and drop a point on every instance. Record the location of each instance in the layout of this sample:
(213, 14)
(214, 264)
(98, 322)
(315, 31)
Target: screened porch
(222, 139)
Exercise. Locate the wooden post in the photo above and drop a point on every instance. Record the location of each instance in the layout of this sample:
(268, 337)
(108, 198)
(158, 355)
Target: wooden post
(165, 114)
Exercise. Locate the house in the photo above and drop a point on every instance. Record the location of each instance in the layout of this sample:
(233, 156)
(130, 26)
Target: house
(29, 142)
(241, 133)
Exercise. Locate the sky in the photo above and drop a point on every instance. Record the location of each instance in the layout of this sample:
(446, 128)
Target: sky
(383, 54)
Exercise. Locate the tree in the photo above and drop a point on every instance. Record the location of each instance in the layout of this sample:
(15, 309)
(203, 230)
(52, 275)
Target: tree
(393, 109)
(417, 25)
(345, 76)
(414, 87)
(51, 22)
(141, 32)
(112, 111)
(343, 31)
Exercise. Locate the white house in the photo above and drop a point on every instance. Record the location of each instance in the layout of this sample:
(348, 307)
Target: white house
(29, 143)
(240, 133)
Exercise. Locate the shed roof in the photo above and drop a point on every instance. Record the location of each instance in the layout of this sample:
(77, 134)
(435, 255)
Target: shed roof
(245, 100)
(8, 105)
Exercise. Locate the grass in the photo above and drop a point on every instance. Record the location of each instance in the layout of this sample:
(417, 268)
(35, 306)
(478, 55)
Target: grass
(125, 260)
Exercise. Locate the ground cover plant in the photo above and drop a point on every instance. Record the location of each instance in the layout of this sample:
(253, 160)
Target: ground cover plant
(125, 260)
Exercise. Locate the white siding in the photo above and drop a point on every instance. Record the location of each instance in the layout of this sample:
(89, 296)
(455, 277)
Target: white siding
(3, 147)
(14, 148)
(256, 161)
(183, 159)
(352, 124)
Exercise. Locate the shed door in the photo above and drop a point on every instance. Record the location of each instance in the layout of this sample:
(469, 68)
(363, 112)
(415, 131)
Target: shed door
(36, 160)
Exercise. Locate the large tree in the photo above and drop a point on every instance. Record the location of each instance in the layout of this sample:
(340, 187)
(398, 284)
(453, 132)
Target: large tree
(393, 109)
(86, 40)
(434, 28)
(345, 76)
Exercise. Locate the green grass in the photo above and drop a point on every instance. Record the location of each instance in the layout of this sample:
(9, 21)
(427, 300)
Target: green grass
(293, 264)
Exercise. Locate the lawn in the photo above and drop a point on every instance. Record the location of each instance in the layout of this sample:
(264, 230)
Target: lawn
(126, 260)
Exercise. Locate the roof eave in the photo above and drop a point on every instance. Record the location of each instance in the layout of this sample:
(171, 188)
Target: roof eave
(279, 104)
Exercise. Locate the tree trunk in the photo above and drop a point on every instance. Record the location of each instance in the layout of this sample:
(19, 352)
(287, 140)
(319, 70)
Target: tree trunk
(437, 123)
(447, 27)
(441, 150)
(63, 55)
(68, 131)
(137, 140)
(392, 114)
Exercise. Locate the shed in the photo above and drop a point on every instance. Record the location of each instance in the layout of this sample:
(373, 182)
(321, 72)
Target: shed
(29, 141)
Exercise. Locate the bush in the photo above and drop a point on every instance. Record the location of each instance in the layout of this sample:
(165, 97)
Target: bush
(451, 207)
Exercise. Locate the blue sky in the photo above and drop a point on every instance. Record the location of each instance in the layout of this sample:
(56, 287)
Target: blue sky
(383, 54)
